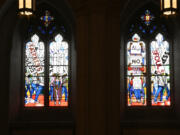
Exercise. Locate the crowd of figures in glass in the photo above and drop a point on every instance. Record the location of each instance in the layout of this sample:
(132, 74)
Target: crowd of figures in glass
(58, 72)
(34, 72)
(46, 65)
(160, 72)
(136, 69)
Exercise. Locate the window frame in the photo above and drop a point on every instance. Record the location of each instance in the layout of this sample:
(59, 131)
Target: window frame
(46, 39)
(147, 39)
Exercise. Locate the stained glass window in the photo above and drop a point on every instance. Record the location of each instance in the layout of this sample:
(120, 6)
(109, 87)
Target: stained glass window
(147, 17)
(148, 61)
(160, 72)
(136, 69)
(47, 63)
(58, 72)
(34, 72)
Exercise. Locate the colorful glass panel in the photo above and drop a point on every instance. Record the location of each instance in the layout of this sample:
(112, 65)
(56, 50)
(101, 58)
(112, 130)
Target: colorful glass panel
(58, 72)
(147, 17)
(136, 69)
(34, 73)
(160, 72)
(47, 19)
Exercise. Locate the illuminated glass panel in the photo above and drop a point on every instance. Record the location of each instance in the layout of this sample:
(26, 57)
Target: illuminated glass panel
(34, 73)
(174, 3)
(136, 68)
(58, 72)
(47, 19)
(147, 17)
(160, 72)
(28, 4)
(21, 4)
(167, 3)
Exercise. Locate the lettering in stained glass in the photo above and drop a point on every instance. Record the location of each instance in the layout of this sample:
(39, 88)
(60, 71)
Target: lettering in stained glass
(136, 69)
(34, 72)
(47, 65)
(160, 72)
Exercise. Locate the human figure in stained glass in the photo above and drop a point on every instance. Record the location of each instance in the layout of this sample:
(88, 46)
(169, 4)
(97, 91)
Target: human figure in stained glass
(64, 88)
(57, 90)
(162, 82)
(52, 87)
(137, 86)
(136, 68)
(39, 88)
(28, 87)
(130, 88)
(160, 69)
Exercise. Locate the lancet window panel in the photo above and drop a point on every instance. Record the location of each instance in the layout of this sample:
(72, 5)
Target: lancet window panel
(46, 62)
(148, 62)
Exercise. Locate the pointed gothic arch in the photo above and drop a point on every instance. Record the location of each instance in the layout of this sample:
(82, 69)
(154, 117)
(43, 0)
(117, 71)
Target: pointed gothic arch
(27, 28)
(148, 32)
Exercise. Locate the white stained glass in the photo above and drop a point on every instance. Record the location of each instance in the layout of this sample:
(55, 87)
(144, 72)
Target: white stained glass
(61, 70)
(159, 51)
(161, 70)
(58, 51)
(34, 56)
(58, 38)
(35, 70)
(136, 52)
(30, 61)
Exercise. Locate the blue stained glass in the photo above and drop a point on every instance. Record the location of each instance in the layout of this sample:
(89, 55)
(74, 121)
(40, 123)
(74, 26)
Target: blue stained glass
(41, 29)
(140, 27)
(147, 17)
(144, 31)
(34, 75)
(58, 72)
(154, 27)
(136, 68)
(47, 19)
(160, 72)
(151, 31)
(54, 28)
(50, 32)
(43, 32)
